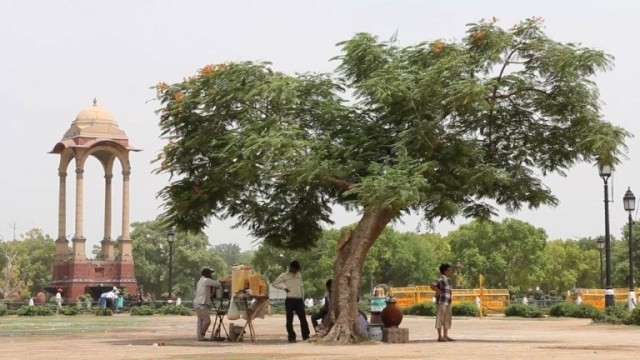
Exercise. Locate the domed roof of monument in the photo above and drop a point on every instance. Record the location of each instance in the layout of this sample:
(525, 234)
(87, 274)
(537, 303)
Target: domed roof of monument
(95, 122)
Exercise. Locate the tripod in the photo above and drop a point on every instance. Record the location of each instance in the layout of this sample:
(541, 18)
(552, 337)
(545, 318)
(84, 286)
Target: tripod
(220, 306)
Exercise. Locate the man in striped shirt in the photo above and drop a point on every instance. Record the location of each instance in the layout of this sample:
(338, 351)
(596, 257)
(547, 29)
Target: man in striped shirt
(291, 282)
(442, 287)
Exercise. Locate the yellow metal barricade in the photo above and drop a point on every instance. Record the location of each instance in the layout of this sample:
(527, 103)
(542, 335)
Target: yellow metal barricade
(495, 299)
(425, 294)
(595, 297)
(405, 296)
(463, 295)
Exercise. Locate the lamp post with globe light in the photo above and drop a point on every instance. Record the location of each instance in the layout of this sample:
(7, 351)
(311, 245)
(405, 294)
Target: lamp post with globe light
(605, 170)
(629, 201)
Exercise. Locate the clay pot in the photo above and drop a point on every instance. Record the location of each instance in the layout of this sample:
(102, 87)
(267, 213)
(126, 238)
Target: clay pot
(14, 296)
(391, 315)
(41, 298)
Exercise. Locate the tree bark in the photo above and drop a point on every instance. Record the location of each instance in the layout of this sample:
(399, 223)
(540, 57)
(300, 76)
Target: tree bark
(342, 321)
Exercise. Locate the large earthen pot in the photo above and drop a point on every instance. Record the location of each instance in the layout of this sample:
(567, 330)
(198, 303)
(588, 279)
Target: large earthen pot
(14, 296)
(41, 298)
(391, 314)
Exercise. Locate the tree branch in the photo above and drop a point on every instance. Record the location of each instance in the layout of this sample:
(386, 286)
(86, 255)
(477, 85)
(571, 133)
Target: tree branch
(516, 92)
(340, 184)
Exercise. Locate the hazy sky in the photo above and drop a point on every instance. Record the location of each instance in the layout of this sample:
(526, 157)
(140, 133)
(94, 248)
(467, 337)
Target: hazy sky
(56, 56)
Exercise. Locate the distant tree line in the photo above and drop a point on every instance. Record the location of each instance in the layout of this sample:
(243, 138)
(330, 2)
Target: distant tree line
(510, 254)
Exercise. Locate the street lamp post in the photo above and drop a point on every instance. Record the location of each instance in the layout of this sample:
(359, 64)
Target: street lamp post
(459, 273)
(629, 201)
(171, 237)
(605, 171)
(600, 242)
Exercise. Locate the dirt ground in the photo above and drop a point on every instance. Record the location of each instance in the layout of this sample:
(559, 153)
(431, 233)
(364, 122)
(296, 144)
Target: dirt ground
(172, 337)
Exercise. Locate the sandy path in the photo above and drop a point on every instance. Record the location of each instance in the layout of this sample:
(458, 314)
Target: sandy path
(492, 338)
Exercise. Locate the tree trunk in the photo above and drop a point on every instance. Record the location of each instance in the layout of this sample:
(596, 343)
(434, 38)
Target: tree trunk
(342, 321)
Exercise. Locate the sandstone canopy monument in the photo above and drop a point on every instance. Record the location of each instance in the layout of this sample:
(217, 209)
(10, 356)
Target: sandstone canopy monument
(93, 133)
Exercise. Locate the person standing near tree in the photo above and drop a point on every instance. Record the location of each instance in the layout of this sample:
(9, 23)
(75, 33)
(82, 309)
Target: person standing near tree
(291, 282)
(202, 302)
(442, 287)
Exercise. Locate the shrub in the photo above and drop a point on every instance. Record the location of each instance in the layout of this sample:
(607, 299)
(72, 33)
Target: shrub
(464, 309)
(144, 310)
(85, 297)
(174, 310)
(522, 310)
(634, 317)
(4, 310)
(616, 314)
(564, 309)
(36, 310)
(312, 309)
(585, 311)
(422, 309)
(69, 310)
(277, 309)
(102, 311)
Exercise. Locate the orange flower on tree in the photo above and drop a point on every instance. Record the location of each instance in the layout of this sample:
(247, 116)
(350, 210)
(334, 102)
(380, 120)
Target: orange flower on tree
(178, 96)
(161, 87)
(208, 69)
(437, 47)
(478, 37)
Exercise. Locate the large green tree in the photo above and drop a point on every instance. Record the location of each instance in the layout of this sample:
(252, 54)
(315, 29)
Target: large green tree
(443, 128)
(191, 252)
(567, 265)
(232, 255)
(26, 263)
(508, 253)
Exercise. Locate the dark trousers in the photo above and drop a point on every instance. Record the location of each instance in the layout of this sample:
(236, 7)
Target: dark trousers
(296, 305)
(318, 316)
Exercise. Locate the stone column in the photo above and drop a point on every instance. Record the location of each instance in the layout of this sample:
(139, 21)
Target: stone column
(79, 239)
(62, 244)
(125, 241)
(107, 243)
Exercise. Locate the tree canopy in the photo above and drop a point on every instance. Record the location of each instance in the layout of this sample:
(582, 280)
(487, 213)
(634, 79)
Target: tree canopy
(443, 128)
(440, 127)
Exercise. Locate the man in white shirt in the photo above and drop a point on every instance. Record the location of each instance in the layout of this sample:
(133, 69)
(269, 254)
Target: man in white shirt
(291, 282)
(202, 302)
(58, 301)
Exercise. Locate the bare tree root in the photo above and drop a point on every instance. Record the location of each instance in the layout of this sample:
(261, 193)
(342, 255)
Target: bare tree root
(340, 334)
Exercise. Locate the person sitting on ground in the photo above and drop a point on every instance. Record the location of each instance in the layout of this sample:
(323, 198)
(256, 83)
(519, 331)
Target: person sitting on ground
(324, 310)
(362, 320)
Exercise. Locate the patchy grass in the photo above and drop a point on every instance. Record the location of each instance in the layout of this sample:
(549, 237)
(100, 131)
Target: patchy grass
(68, 325)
